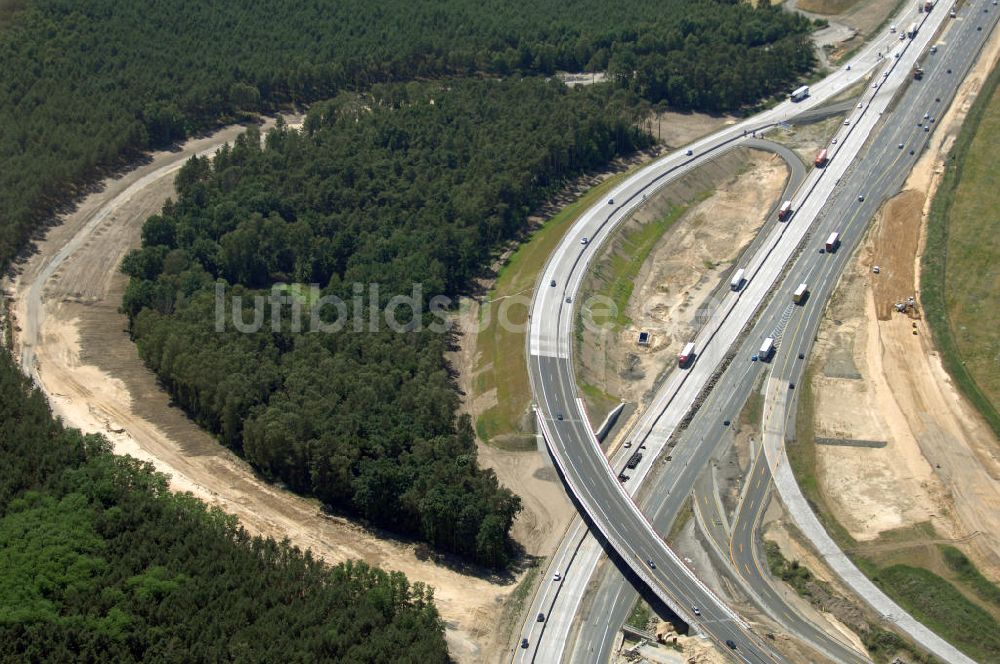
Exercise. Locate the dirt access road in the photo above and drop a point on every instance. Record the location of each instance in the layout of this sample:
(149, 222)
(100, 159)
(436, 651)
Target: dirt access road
(72, 341)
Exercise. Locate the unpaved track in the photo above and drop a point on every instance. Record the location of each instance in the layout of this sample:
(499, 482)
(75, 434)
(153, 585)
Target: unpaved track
(72, 342)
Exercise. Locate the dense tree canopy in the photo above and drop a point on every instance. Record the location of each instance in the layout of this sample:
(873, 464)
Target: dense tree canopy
(99, 561)
(411, 184)
(86, 84)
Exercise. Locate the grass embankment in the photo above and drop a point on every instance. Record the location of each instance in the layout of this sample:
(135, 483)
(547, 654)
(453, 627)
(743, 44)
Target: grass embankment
(502, 365)
(618, 269)
(948, 602)
(959, 280)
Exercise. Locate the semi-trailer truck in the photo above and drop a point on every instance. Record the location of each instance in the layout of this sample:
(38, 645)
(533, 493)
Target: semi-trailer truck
(799, 93)
(686, 355)
(785, 211)
(766, 349)
(832, 242)
(737, 282)
(821, 158)
(800, 293)
(911, 31)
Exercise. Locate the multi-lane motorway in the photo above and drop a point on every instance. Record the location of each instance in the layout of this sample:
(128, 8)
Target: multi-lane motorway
(567, 432)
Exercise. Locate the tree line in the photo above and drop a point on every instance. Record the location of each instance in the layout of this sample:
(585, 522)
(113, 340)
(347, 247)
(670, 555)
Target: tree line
(100, 561)
(410, 184)
(89, 85)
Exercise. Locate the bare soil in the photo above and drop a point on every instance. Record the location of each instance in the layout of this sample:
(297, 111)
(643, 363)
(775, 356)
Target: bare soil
(942, 462)
(677, 129)
(851, 22)
(673, 290)
(94, 379)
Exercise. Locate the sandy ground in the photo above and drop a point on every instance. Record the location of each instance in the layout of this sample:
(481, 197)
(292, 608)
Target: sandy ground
(673, 290)
(677, 129)
(85, 363)
(942, 462)
(850, 23)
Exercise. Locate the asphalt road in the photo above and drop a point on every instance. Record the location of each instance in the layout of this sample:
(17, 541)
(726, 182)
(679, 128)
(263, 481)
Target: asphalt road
(877, 174)
(584, 552)
(566, 435)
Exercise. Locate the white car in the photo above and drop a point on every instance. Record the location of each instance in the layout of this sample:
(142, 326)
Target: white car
(847, 123)
(557, 577)
(874, 85)
(583, 240)
(892, 28)
(860, 105)
(689, 153)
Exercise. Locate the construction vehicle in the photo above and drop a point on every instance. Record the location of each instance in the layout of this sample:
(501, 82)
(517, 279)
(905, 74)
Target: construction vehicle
(832, 242)
(686, 355)
(799, 93)
(800, 293)
(737, 282)
(821, 158)
(785, 211)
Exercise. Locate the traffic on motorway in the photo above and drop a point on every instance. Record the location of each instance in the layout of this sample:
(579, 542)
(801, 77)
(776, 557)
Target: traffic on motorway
(561, 418)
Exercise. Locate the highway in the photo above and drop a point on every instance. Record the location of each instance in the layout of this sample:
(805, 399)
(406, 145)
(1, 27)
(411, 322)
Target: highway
(569, 437)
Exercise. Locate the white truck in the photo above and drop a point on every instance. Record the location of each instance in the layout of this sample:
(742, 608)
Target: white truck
(738, 278)
(800, 293)
(766, 349)
(799, 93)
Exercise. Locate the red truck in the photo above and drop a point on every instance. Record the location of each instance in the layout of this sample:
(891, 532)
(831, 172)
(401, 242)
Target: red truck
(685, 356)
(821, 158)
(785, 211)
(832, 242)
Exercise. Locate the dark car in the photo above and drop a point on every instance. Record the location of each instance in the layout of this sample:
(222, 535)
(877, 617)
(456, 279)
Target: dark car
(559, 416)
(802, 356)
(731, 644)
(552, 283)
(524, 643)
(541, 617)
(652, 565)
(791, 386)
